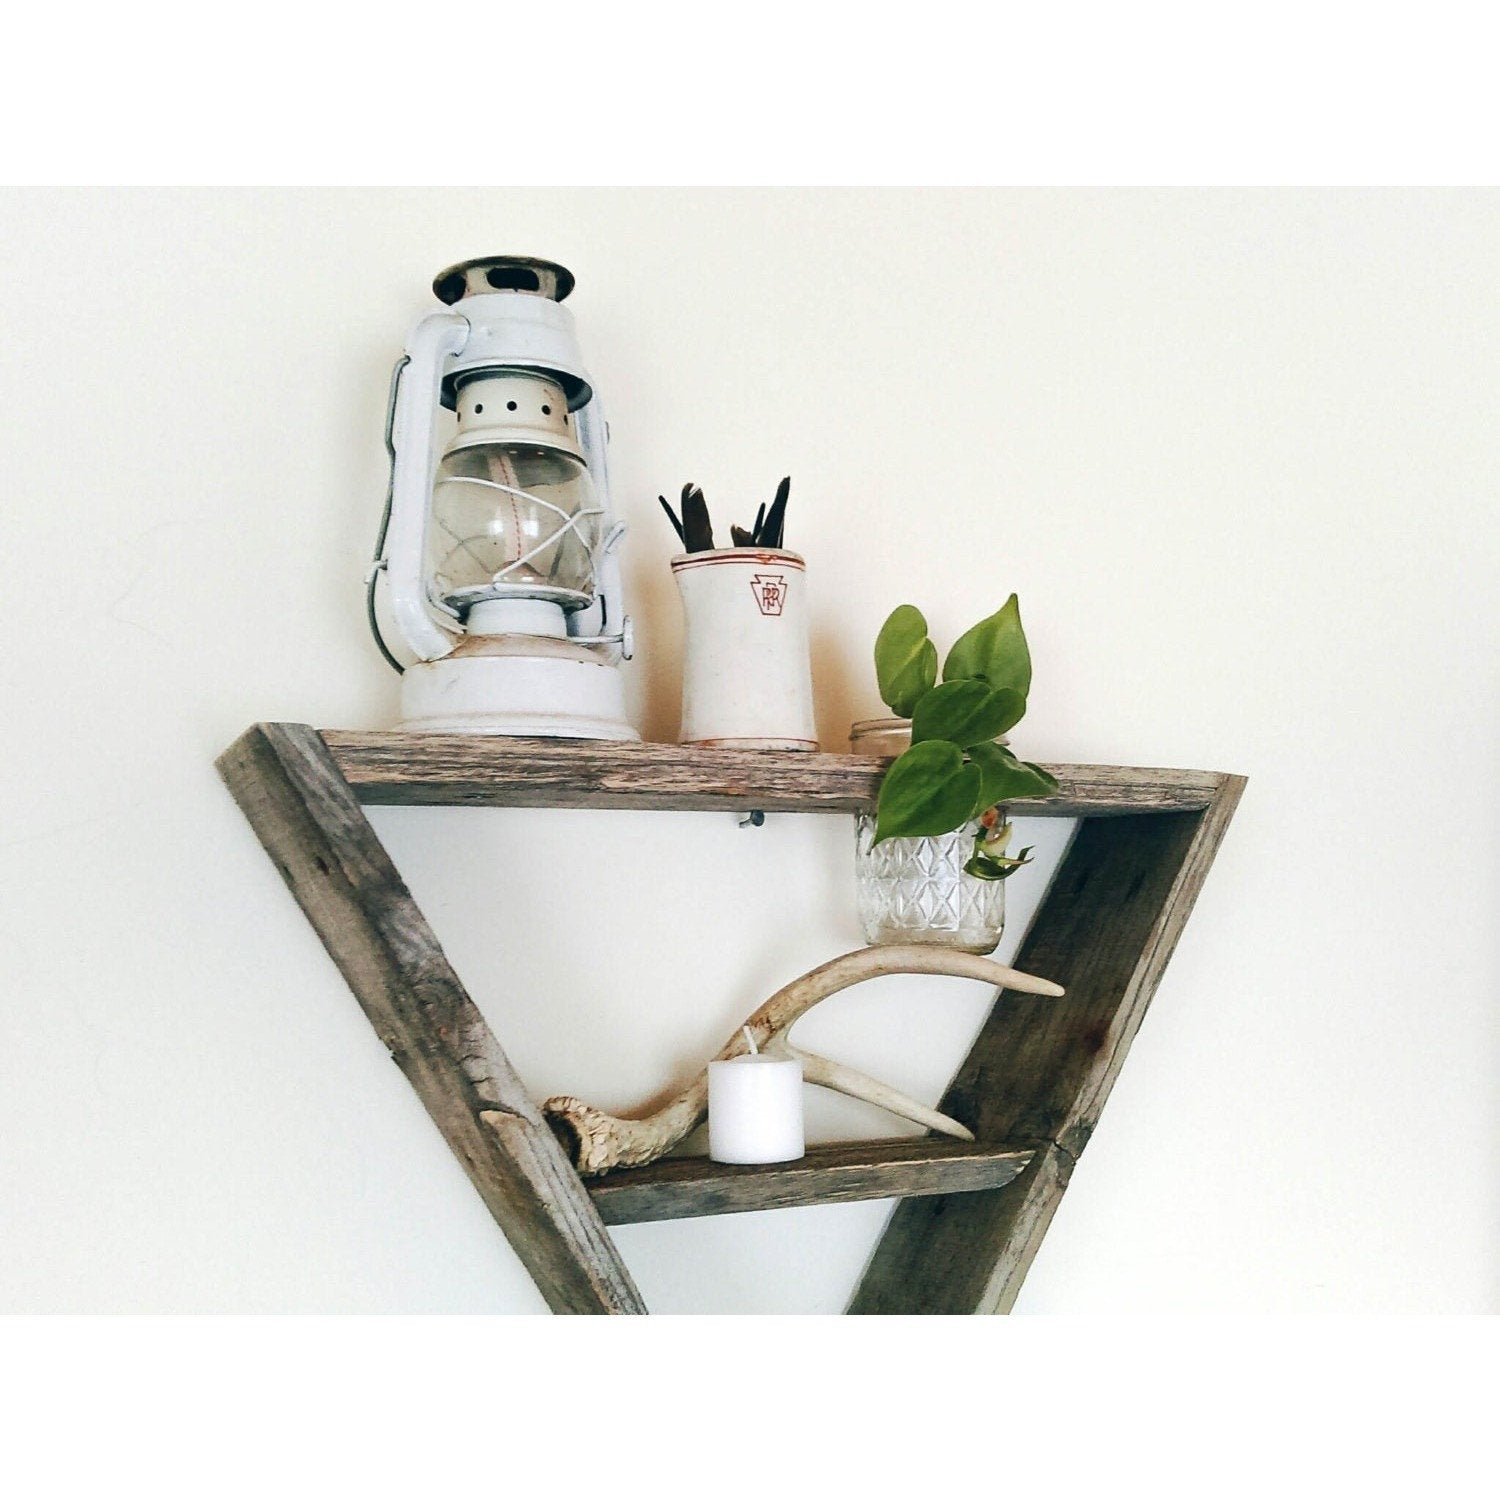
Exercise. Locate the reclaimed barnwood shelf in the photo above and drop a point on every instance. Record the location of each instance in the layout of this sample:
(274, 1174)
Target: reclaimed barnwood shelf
(447, 770)
(969, 1217)
(689, 1187)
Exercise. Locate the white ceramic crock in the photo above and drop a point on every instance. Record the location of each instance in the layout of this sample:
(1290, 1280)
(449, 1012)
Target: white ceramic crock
(746, 673)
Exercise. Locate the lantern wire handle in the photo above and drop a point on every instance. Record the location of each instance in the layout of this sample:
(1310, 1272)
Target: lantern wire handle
(378, 564)
(570, 520)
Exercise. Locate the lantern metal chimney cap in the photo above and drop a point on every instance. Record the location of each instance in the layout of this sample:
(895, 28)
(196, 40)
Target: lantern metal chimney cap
(503, 273)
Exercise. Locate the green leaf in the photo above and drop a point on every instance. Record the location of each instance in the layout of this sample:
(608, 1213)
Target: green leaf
(988, 867)
(905, 660)
(928, 790)
(965, 713)
(994, 651)
(1046, 777)
(1003, 778)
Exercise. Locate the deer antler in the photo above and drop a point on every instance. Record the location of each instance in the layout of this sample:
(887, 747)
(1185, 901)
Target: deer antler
(598, 1142)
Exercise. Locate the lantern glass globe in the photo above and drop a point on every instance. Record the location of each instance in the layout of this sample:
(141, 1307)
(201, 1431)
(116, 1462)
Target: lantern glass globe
(511, 521)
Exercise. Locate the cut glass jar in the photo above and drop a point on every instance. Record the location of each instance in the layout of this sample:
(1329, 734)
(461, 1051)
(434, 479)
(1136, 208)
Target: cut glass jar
(915, 890)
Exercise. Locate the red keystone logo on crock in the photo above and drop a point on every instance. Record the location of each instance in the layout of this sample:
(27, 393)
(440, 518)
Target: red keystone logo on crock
(770, 592)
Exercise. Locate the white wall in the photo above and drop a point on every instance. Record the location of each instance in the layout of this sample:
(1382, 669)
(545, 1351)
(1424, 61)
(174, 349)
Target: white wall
(1236, 452)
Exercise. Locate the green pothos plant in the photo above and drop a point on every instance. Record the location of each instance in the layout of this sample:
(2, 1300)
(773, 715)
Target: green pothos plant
(955, 772)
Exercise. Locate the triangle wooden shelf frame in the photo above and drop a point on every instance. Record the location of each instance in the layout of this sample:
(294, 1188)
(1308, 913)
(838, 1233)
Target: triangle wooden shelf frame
(970, 1217)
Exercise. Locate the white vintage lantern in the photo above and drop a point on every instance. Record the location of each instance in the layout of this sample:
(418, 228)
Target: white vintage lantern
(499, 546)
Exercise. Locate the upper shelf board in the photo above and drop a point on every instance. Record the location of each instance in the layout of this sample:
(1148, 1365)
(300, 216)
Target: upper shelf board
(386, 768)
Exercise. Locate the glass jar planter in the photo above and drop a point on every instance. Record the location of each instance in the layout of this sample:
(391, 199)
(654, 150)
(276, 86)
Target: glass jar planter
(916, 890)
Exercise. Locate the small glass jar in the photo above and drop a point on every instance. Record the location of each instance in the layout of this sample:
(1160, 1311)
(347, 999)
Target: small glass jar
(915, 890)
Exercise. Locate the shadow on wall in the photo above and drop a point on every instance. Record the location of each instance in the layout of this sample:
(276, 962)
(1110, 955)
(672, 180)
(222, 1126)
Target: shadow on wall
(658, 634)
(837, 695)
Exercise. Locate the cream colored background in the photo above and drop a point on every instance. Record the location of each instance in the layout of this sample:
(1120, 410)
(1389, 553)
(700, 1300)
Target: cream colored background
(1235, 450)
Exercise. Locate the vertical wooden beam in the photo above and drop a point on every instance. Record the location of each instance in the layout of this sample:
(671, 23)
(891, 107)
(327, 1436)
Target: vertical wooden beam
(1041, 1070)
(307, 817)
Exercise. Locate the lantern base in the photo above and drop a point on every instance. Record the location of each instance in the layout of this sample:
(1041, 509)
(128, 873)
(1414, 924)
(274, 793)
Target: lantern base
(525, 696)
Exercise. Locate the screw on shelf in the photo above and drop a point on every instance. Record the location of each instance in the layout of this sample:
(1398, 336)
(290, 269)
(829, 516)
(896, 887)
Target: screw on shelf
(754, 819)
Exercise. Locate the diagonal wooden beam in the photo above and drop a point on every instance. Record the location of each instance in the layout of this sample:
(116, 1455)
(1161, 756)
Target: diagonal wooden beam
(1041, 1070)
(307, 817)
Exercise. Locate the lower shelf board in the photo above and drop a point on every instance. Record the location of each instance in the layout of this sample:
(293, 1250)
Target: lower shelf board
(688, 1187)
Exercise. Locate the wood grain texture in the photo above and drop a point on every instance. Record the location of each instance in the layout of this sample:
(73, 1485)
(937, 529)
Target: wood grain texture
(690, 1187)
(304, 813)
(1040, 1072)
(393, 769)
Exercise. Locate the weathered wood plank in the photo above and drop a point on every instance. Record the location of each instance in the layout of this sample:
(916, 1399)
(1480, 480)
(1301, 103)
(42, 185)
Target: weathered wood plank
(1040, 1072)
(472, 770)
(310, 823)
(690, 1187)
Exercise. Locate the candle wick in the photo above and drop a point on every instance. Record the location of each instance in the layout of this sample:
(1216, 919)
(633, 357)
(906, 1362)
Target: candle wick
(754, 1050)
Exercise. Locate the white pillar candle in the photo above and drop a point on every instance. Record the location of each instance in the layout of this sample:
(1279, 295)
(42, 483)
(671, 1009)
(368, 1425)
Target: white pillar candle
(755, 1109)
